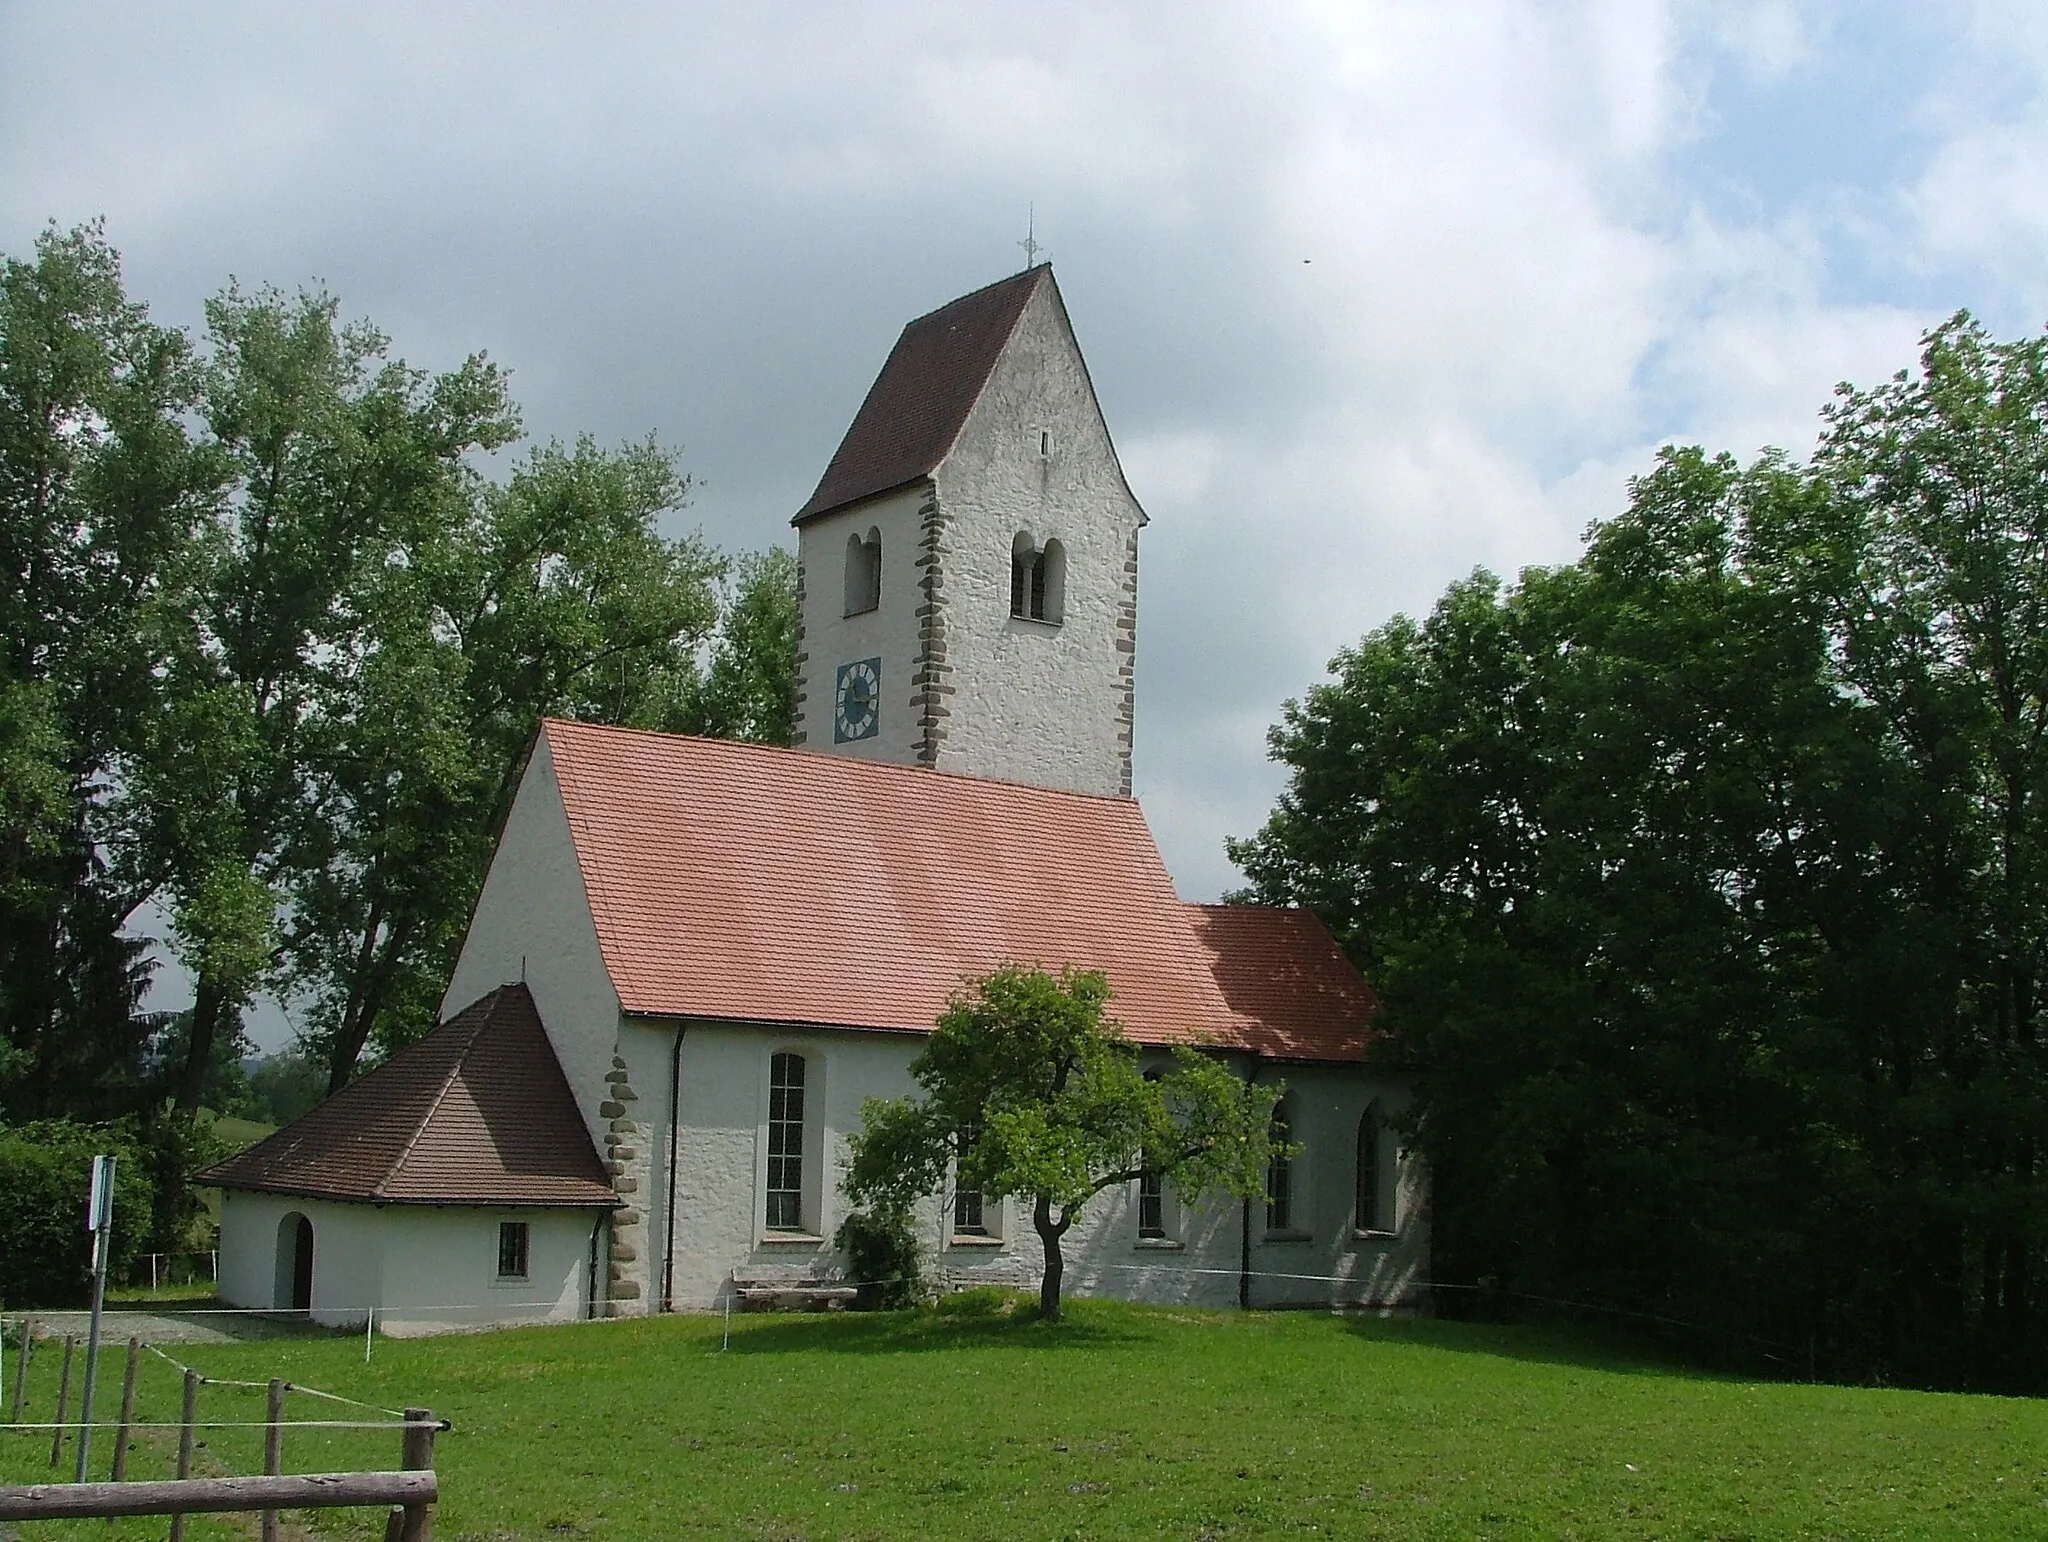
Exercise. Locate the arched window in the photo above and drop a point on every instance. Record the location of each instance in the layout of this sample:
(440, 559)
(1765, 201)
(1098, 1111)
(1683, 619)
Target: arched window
(786, 1142)
(1023, 567)
(1279, 1175)
(1052, 583)
(863, 572)
(1038, 580)
(1368, 1213)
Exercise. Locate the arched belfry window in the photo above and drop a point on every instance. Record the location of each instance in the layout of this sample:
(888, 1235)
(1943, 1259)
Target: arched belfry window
(863, 572)
(1038, 579)
(1368, 1213)
(786, 1142)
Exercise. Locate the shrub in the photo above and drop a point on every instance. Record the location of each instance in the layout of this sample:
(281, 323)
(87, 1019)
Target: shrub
(45, 1171)
(883, 1259)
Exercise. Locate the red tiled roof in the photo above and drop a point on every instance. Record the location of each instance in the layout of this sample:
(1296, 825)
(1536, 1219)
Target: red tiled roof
(740, 882)
(1294, 993)
(918, 404)
(476, 1113)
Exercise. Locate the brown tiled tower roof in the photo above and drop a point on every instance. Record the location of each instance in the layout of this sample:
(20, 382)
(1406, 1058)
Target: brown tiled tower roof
(476, 1113)
(918, 404)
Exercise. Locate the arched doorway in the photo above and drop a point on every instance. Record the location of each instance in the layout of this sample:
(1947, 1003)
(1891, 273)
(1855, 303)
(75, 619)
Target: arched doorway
(293, 1290)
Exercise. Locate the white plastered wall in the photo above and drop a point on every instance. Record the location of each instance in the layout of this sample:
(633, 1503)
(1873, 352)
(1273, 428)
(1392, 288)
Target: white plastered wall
(1034, 702)
(422, 1268)
(721, 1176)
(533, 923)
(888, 632)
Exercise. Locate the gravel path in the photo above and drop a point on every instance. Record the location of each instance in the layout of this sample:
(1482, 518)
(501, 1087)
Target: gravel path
(196, 1322)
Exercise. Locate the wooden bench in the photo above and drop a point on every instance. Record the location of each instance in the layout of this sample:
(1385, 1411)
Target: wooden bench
(790, 1285)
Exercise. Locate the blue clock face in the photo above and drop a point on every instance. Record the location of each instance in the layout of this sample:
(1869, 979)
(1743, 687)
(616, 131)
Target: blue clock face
(857, 702)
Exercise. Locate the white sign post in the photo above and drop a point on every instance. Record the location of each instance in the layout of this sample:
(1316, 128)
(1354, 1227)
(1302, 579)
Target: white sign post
(99, 1220)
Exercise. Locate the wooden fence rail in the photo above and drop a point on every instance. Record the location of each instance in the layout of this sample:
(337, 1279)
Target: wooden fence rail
(172, 1496)
(410, 1492)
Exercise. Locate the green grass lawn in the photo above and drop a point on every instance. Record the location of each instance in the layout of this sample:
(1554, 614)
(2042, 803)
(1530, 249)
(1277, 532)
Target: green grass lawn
(970, 1422)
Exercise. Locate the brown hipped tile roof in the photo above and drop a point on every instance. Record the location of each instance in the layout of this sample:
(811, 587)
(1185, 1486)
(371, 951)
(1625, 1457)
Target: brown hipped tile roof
(918, 404)
(743, 883)
(476, 1113)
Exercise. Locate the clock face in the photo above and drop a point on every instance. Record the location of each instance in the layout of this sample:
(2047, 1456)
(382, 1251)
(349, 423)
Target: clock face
(857, 703)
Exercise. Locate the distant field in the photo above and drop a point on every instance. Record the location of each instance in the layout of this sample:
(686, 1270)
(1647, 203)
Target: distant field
(240, 1134)
(1127, 1421)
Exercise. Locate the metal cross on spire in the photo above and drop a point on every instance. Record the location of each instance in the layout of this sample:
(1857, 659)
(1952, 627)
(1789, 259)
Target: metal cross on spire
(1030, 241)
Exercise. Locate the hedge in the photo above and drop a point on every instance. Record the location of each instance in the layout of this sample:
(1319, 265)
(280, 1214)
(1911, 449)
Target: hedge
(45, 1170)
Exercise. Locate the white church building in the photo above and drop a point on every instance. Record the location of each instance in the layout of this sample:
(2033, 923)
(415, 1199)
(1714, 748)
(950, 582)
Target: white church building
(692, 960)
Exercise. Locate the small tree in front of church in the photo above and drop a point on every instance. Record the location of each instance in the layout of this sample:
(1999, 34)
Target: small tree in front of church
(1030, 1090)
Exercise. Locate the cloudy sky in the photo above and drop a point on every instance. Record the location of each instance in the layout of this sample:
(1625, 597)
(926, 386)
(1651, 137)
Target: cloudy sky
(1373, 293)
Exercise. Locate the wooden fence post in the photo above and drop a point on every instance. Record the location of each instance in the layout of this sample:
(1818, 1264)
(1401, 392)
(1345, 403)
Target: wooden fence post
(418, 1457)
(28, 1339)
(63, 1400)
(188, 1414)
(273, 1450)
(127, 1410)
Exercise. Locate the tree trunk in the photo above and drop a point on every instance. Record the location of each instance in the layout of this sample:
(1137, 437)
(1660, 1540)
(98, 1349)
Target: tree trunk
(208, 1003)
(377, 962)
(1049, 1233)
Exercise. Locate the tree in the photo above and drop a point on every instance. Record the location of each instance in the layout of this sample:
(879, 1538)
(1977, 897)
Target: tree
(749, 690)
(285, 1085)
(275, 648)
(101, 490)
(552, 594)
(337, 459)
(1702, 882)
(1030, 1090)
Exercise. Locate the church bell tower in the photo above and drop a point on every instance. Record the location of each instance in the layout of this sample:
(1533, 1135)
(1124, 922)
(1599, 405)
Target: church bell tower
(968, 566)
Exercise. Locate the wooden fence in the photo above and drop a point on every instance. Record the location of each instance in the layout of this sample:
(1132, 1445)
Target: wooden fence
(411, 1491)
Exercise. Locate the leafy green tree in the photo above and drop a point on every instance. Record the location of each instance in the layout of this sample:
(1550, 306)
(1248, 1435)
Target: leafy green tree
(553, 594)
(336, 459)
(225, 1090)
(101, 490)
(749, 690)
(1700, 878)
(285, 1085)
(1030, 1090)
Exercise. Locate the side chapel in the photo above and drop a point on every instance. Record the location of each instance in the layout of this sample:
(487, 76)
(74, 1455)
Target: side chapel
(692, 960)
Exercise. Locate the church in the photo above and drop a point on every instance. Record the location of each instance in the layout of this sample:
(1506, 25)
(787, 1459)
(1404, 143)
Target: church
(692, 960)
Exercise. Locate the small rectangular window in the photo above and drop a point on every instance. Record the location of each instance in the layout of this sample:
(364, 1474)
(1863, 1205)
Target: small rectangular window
(512, 1239)
(1151, 1205)
(967, 1218)
(1045, 442)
